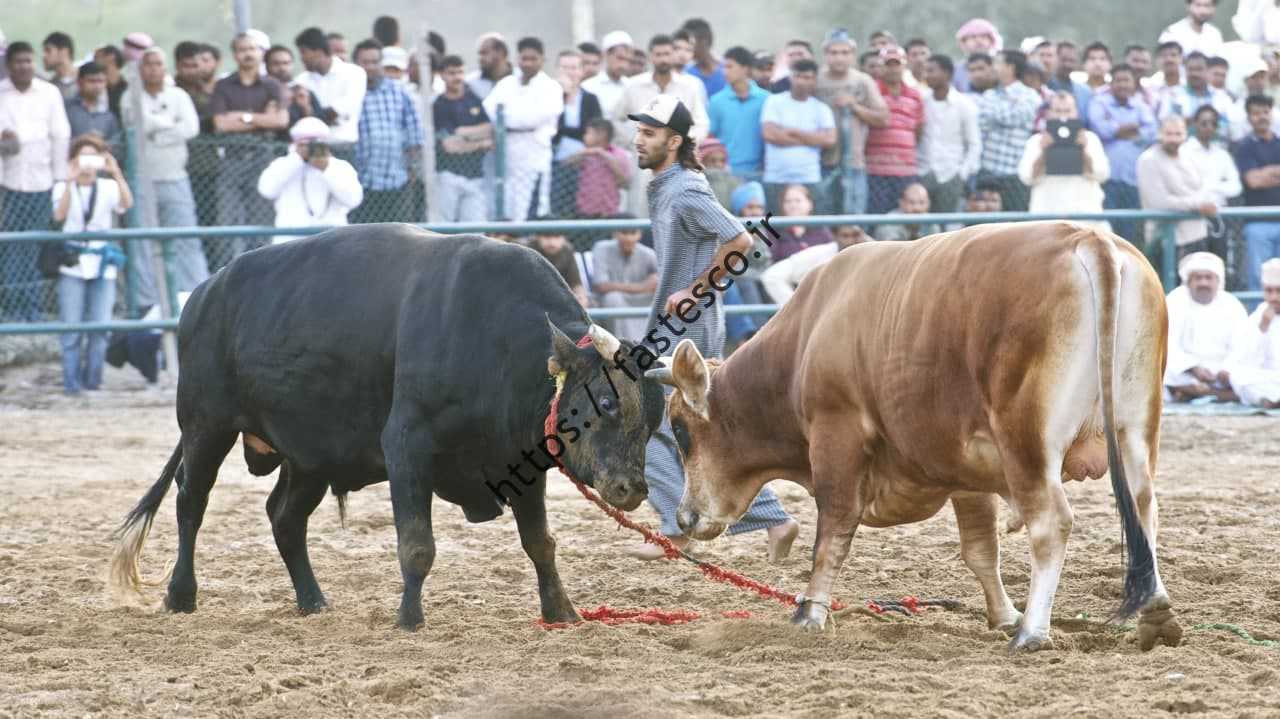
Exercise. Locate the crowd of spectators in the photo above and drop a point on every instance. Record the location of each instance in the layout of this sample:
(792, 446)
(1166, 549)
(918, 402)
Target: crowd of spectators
(1187, 123)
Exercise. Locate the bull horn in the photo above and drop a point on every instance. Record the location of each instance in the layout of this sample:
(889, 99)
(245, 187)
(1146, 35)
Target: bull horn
(605, 343)
(661, 375)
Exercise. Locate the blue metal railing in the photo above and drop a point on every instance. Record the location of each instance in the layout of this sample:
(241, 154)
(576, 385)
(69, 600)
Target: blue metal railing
(165, 234)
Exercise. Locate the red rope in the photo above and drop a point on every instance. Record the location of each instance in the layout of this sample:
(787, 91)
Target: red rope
(711, 571)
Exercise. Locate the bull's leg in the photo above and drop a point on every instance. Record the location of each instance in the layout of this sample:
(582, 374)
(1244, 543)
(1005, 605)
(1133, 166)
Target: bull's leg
(409, 472)
(295, 497)
(1038, 496)
(202, 454)
(531, 519)
(980, 548)
(837, 460)
(1156, 622)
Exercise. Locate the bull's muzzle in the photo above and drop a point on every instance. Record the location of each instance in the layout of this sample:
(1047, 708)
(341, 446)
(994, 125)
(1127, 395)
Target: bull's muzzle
(623, 494)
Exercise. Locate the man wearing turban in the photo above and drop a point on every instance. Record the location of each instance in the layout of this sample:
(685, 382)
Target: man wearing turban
(1206, 327)
(1255, 365)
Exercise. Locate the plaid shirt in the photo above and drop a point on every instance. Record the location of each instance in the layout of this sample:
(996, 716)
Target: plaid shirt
(1006, 116)
(389, 125)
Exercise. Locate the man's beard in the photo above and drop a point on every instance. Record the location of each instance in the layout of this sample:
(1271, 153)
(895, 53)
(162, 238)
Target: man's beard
(661, 69)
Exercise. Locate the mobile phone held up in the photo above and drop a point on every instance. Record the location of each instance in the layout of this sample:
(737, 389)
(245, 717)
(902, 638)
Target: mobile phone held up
(1064, 156)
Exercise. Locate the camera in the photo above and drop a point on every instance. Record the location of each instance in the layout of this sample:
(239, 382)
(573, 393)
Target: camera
(317, 149)
(91, 162)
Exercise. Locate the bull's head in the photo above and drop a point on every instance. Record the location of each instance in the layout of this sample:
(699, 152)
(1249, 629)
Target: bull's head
(715, 494)
(605, 418)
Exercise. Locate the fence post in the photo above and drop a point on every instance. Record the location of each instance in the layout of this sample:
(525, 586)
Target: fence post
(1168, 256)
(499, 164)
(133, 217)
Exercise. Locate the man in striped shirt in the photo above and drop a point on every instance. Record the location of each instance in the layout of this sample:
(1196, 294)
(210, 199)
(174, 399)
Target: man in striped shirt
(693, 237)
(1006, 116)
(891, 150)
(390, 143)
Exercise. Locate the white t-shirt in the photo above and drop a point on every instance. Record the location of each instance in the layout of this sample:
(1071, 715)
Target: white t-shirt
(105, 206)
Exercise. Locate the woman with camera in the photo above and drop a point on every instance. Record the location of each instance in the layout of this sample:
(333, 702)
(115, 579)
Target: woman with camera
(87, 270)
(309, 186)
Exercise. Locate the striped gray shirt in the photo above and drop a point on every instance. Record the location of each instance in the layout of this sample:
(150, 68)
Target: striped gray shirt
(689, 226)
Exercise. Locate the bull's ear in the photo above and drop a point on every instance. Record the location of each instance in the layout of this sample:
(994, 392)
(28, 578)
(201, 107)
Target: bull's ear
(564, 352)
(690, 376)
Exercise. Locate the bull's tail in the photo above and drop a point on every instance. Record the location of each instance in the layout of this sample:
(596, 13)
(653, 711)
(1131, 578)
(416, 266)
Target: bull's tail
(1102, 265)
(124, 579)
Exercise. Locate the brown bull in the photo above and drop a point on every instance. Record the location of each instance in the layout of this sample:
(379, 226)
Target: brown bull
(993, 361)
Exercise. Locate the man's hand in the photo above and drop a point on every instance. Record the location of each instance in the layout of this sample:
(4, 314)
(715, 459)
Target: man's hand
(112, 166)
(1268, 315)
(1045, 140)
(1127, 130)
(454, 144)
(1208, 209)
(676, 298)
(843, 101)
(1202, 374)
(320, 162)
(1081, 138)
(1224, 378)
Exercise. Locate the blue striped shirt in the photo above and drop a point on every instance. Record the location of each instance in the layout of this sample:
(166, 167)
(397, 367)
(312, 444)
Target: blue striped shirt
(389, 125)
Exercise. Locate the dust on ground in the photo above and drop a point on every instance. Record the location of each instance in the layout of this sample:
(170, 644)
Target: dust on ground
(70, 469)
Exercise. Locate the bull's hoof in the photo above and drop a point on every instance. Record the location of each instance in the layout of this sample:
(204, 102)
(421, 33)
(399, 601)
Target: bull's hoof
(313, 606)
(565, 615)
(180, 603)
(410, 619)
(1158, 626)
(810, 617)
(1008, 628)
(1030, 642)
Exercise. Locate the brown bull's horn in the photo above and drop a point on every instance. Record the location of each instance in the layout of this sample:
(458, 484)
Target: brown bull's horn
(661, 375)
(605, 343)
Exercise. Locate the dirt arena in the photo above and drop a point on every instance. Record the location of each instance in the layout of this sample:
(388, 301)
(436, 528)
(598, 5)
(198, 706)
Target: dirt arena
(69, 469)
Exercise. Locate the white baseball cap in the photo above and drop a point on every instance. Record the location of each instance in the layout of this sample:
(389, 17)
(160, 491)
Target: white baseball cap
(614, 39)
(396, 57)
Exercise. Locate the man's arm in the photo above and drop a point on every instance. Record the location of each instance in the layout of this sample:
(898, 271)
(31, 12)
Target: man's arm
(1102, 122)
(972, 142)
(59, 136)
(876, 112)
(741, 243)
(777, 135)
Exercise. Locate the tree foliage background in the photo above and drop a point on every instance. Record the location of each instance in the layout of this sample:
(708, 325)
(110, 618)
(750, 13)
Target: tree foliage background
(759, 24)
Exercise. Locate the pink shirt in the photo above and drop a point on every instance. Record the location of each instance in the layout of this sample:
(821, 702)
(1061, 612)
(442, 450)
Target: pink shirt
(891, 150)
(597, 185)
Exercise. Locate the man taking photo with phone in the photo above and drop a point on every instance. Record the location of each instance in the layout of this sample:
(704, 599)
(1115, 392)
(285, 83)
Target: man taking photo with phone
(1065, 165)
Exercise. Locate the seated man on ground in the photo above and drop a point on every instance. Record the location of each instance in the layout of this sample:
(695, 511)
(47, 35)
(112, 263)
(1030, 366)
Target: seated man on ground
(782, 279)
(557, 250)
(1255, 366)
(984, 197)
(1206, 327)
(914, 201)
(624, 273)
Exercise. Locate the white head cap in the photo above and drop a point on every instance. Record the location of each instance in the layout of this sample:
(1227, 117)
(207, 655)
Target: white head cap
(259, 38)
(396, 57)
(614, 39)
(1271, 272)
(1202, 262)
(309, 128)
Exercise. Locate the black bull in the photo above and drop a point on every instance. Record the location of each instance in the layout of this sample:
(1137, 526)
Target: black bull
(384, 352)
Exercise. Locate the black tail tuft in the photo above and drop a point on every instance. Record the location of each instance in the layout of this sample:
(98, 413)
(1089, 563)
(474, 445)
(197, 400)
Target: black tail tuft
(1140, 574)
(146, 508)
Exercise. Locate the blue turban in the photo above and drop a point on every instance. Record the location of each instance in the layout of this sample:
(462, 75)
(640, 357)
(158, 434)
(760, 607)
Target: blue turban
(746, 193)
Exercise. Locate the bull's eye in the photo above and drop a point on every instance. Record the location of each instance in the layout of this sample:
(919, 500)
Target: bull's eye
(682, 436)
(608, 405)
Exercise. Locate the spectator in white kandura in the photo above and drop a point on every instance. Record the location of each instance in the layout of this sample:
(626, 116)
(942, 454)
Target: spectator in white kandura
(531, 104)
(1257, 22)
(1052, 190)
(339, 85)
(309, 186)
(1168, 179)
(951, 148)
(611, 81)
(1196, 32)
(624, 273)
(781, 280)
(163, 186)
(87, 270)
(1217, 171)
(463, 136)
(1254, 368)
(1207, 325)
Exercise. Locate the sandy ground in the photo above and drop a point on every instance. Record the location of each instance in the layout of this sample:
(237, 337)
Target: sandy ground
(69, 469)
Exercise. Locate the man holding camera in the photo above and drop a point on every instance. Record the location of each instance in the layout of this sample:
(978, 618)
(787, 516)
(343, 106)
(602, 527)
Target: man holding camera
(1065, 164)
(309, 186)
